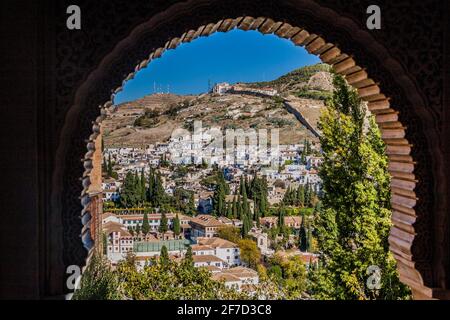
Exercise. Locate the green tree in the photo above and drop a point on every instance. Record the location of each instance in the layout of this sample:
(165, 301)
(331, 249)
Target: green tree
(250, 254)
(163, 225)
(294, 277)
(308, 195)
(176, 225)
(276, 272)
(281, 214)
(239, 208)
(109, 166)
(229, 210)
(164, 256)
(235, 208)
(145, 224)
(353, 226)
(128, 198)
(191, 209)
(303, 236)
(188, 258)
(219, 205)
(229, 233)
(151, 186)
(142, 187)
(301, 196)
(245, 225)
(98, 281)
(159, 194)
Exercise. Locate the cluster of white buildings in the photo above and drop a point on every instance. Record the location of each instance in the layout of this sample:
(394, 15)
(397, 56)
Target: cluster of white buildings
(289, 168)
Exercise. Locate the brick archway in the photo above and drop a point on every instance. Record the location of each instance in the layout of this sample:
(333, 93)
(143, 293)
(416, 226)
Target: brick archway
(408, 238)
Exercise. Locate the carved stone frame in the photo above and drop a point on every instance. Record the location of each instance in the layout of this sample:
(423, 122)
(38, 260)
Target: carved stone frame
(392, 93)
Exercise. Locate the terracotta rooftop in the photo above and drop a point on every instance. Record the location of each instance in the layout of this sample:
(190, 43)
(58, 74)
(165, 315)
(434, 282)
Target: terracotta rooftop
(241, 272)
(206, 221)
(213, 269)
(107, 215)
(112, 226)
(216, 242)
(201, 247)
(226, 277)
(206, 258)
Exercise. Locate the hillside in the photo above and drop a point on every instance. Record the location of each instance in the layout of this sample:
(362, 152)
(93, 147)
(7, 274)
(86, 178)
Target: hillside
(154, 117)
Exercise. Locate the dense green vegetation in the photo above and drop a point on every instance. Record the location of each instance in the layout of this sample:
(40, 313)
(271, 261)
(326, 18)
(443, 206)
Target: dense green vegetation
(162, 279)
(353, 225)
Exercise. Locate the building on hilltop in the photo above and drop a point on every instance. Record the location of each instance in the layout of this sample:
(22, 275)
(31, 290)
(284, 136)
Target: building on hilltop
(221, 88)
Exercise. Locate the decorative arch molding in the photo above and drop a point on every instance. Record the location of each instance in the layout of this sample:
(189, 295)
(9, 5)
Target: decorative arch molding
(392, 96)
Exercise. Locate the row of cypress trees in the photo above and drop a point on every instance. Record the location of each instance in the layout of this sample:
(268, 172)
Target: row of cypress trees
(254, 189)
(303, 196)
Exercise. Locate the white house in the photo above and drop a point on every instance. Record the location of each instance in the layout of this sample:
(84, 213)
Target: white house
(221, 88)
(226, 250)
(240, 278)
(208, 260)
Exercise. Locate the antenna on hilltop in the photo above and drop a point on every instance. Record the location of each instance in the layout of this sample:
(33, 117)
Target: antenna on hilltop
(209, 85)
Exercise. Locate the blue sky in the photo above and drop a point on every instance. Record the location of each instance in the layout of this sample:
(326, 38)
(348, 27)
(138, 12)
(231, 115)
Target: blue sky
(235, 56)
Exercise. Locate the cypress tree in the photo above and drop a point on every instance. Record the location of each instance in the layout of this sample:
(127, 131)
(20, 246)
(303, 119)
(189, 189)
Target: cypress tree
(159, 197)
(229, 210)
(104, 166)
(303, 236)
(164, 256)
(128, 197)
(257, 215)
(235, 208)
(109, 167)
(309, 238)
(191, 209)
(176, 225)
(163, 226)
(264, 201)
(245, 206)
(219, 200)
(188, 259)
(145, 224)
(353, 226)
(142, 191)
(308, 195)
(241, 185)
(239, 208)
(245, 225)
(151, 186)
(281, 213)
(303, 157)
(247, 186)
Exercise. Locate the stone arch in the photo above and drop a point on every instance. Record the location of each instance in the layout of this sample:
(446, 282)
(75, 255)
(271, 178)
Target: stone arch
(408, 238)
